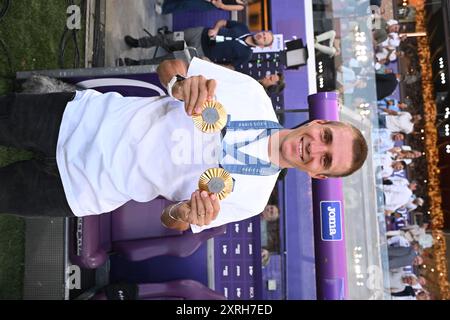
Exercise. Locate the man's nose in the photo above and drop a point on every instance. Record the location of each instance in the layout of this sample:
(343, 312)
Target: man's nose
(318, 148)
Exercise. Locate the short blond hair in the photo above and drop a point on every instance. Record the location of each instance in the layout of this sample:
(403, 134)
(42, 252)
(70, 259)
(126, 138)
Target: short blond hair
(360, 148)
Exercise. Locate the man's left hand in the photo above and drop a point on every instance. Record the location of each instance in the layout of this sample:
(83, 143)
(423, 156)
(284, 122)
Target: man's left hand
(204, 208)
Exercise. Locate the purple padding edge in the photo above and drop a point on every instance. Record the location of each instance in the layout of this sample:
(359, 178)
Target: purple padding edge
(330, 253)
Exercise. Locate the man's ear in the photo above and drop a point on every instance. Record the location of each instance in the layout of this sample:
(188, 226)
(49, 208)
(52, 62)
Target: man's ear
(319, 121)
(318, 176)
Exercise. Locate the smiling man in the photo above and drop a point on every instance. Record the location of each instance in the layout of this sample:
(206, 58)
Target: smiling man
(321, 148)
(98, 151)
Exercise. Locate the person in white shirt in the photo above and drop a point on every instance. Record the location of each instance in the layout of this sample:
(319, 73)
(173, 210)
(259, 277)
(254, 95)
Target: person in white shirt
(414, 203)
(401, 121)
(398, 193)
(112, 149)
(384, 139)
(398, 241)
(387, 165)
(399, 280)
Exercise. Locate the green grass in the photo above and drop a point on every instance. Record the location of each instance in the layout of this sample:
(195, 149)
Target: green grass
(11, 257)
(32, 31)
(11, 239)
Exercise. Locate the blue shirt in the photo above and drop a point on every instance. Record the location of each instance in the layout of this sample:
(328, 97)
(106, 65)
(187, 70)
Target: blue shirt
(228, 52)
(384, 104)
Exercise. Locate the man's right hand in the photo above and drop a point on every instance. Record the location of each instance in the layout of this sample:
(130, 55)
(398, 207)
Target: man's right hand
(194, 91)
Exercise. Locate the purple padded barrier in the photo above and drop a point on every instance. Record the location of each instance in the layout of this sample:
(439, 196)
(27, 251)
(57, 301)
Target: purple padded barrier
(331, 261)
(180, 246)
(135, 232)
(177, 289)
(85, 242)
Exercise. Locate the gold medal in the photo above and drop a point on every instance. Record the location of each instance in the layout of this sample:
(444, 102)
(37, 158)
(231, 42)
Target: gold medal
(216, 180)
(213, 117)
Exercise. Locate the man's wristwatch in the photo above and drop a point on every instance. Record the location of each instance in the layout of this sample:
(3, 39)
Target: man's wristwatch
(172, 82)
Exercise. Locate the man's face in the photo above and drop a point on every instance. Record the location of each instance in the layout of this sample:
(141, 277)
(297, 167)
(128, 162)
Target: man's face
(417, 154)
(398, 137)
(398, 166)
(402, 105)
(318, 148)
(417, 261)
(270, 213)
(263, 39)
(270, 80)
(394, 28)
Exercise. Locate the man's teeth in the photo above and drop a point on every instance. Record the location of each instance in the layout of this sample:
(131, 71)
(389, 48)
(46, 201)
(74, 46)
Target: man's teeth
(301, 149)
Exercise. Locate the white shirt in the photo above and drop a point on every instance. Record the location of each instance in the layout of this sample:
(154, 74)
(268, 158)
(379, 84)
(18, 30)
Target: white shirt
(411, 205)
(404, 298)
(398, 241)
(397, 194)
(385, 162)
(392, 42)
(382, 140)
(384, 53)
(401, 122)
(112, 149)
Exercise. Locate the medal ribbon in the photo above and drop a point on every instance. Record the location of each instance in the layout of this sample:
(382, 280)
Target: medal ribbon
(252, 166)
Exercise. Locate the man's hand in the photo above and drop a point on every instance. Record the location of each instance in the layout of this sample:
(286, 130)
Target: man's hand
(217, 3)
(391, 112)
(212, 33)
(194, 91)
(395, 150)
(200, 210)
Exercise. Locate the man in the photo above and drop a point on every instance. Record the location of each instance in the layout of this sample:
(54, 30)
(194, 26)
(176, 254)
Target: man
(401, 121)
(388, 166)
(382, 29)
(414, 202)
(385, 139)
(227, 43)
(403, 256)
(398, 193)
(392, 104)
(269, 227)
(111, 149)
(398, 241)
(273, 83)
(271, 213)
(399, 280)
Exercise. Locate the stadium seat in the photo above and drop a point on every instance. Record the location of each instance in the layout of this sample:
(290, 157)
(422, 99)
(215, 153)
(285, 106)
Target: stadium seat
(134, 231)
